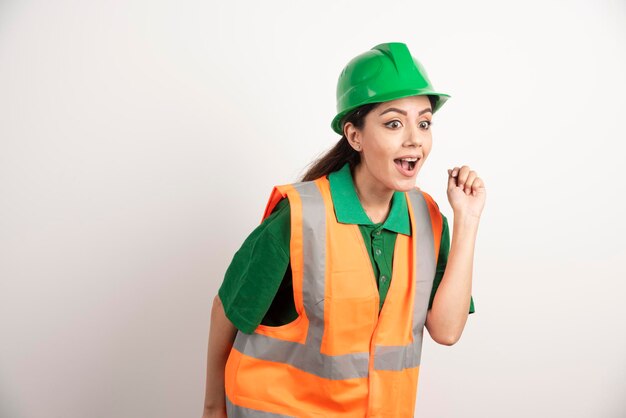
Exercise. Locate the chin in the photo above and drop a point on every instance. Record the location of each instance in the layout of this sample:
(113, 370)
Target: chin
(405, 185)
(405, 189)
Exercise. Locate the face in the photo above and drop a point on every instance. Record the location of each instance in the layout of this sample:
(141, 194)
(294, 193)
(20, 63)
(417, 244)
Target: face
(394, 142)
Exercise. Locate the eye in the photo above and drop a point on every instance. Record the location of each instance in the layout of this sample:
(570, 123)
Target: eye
(395, 121)
(425, 124)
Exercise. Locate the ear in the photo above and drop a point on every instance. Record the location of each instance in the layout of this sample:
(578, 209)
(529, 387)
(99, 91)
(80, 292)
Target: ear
(353, 135)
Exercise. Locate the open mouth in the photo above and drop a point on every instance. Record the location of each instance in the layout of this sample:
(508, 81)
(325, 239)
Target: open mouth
(406, 163)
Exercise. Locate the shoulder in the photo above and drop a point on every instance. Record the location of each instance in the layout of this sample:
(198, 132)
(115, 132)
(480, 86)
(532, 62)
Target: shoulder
(439, 221)
(284, 192)
(278, 220)
(281, 207)
(294, 195)
(418, 194)
(429, 199)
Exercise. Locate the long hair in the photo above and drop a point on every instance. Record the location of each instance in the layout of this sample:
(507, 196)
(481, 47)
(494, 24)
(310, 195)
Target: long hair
(342, 152)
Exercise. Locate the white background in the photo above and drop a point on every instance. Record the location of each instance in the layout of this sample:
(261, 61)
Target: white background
(139, 142)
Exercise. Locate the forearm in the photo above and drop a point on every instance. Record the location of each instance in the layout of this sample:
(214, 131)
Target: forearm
(448, 315)
(221, 336)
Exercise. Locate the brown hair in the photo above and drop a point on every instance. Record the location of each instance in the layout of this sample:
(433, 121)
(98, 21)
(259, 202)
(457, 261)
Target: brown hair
(342, 152)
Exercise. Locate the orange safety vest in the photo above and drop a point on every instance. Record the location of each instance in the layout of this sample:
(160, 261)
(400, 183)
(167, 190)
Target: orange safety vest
(341, 357)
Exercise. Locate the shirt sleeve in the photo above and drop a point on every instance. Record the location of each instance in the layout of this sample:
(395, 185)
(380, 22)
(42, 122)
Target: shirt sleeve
(442, 261)
(256, 271)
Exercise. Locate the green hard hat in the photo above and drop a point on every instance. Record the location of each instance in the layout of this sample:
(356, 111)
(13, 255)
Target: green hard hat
(385, 72)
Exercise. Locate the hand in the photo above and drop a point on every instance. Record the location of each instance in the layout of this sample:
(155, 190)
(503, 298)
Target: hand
(466, 191)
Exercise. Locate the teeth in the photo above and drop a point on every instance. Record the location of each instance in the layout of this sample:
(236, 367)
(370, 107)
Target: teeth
(408, 163)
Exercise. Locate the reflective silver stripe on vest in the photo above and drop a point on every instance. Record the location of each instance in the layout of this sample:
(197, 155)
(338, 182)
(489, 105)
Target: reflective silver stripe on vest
(303, 356)
(236, 411)
(401, 357)
(424, 260)
(314, 259)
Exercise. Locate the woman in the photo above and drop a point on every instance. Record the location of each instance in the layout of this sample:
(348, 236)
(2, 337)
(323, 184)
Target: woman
(321, 312)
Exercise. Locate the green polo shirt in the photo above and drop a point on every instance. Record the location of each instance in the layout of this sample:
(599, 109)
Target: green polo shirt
(257, 287)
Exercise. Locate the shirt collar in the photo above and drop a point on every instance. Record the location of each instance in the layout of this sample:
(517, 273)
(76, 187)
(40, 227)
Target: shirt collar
(348, 208)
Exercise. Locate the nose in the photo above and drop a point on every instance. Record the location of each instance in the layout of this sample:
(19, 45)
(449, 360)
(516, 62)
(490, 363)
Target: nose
(413, 138)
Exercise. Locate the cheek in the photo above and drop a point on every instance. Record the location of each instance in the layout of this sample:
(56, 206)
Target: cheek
(377, 152)
(373, 158)
(427, 146)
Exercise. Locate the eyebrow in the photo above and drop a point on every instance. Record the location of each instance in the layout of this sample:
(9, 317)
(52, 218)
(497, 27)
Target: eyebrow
(393, 109)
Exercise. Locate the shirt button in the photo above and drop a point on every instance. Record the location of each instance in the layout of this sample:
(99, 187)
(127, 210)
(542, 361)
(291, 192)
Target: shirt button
(378, 232)
(378, 252)
(383, 278)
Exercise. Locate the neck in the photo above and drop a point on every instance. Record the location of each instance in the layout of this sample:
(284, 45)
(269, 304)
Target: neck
(374, 196)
